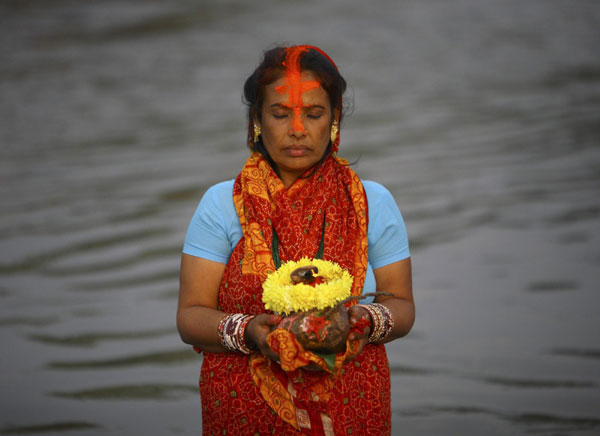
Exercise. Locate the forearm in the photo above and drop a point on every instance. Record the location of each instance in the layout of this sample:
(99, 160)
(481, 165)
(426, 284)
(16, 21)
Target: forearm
(198, 326)
(395, 280)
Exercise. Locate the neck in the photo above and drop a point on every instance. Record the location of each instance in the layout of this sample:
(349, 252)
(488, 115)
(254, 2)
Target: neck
(289, 179)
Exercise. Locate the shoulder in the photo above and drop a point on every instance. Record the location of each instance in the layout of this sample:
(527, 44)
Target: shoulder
(376, 193)
(218, 198)
(388, 241)
(213, 225)
(381, 203)
(220, 191)
(216, 207)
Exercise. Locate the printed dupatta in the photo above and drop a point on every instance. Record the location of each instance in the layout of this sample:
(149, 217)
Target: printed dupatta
(328, 206)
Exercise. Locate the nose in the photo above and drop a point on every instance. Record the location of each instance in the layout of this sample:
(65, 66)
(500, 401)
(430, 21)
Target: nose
(297, 128)
(297, 133)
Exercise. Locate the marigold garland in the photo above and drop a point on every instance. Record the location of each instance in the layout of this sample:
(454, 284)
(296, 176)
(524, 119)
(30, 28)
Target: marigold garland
(283, 296)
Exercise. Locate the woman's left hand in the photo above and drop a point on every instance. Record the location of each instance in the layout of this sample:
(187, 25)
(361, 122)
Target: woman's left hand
(357, 317)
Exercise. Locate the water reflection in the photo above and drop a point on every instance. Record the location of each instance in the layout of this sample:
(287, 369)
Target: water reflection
(174, 357)
(54, 427)
(93, 339)
(132, 392)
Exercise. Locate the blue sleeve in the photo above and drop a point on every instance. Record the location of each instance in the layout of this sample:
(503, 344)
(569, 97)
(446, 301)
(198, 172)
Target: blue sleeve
(210, 233)
(388, 240)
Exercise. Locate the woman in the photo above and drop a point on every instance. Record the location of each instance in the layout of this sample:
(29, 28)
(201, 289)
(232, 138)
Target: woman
(293, 198)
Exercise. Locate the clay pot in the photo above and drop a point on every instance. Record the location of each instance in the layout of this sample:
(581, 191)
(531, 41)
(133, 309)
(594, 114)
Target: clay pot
(320, 331)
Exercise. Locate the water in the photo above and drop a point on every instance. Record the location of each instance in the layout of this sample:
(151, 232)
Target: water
(481, 117)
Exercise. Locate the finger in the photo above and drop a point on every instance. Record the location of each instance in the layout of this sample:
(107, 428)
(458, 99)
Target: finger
(355, 315)
(353, 320)
(274, 319)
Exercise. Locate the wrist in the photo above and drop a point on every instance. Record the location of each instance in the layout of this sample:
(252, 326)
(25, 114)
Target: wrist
(248, 337)
(232, 332)
(382, 321)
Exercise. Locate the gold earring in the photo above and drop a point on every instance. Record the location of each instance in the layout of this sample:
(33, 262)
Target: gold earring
(334, 131)
(257, 133)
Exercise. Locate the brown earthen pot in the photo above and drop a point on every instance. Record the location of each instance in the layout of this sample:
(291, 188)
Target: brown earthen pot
(321, 331)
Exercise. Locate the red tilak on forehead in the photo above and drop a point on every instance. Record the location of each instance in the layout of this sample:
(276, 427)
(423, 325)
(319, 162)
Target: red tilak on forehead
(294, 86)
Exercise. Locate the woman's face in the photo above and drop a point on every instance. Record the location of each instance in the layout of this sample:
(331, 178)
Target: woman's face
(295, 128)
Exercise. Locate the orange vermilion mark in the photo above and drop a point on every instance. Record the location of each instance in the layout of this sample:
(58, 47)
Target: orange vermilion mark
(361, 326)
(316, 325)
(294, 86)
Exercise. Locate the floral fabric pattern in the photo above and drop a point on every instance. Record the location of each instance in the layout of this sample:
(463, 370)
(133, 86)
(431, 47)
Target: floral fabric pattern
(253, 395)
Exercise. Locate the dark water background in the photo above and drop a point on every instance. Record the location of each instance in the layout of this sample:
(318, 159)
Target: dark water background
(482, 117)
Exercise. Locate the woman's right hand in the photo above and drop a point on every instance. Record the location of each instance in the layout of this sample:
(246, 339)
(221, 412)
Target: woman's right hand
(256, 334)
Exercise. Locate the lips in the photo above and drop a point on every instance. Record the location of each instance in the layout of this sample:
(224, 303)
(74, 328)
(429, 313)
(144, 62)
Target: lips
(296, 150)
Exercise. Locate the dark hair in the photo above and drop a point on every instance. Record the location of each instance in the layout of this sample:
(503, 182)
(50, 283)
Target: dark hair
(271, 69)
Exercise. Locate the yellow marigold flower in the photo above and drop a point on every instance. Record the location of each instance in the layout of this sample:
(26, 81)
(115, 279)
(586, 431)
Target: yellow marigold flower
(283, 296)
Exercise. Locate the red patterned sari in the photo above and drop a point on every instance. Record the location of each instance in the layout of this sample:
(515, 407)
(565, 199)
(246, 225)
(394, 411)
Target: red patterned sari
(251, 395)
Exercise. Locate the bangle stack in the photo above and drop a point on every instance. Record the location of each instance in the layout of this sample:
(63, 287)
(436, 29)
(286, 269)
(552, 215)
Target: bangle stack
(382, 321)
(231, 332)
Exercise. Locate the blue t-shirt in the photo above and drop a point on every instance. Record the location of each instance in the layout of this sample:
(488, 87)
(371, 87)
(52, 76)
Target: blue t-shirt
(215, 228)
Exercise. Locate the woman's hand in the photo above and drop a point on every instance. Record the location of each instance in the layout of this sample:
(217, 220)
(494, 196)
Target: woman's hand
(360, 327)
(256, 334)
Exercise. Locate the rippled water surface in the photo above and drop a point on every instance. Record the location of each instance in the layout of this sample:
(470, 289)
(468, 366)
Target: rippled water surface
(481, 117)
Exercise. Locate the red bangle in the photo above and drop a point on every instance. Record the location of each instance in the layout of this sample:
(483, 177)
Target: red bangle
(231, 330)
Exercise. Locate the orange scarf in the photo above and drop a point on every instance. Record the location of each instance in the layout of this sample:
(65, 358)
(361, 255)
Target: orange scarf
(330, 205)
